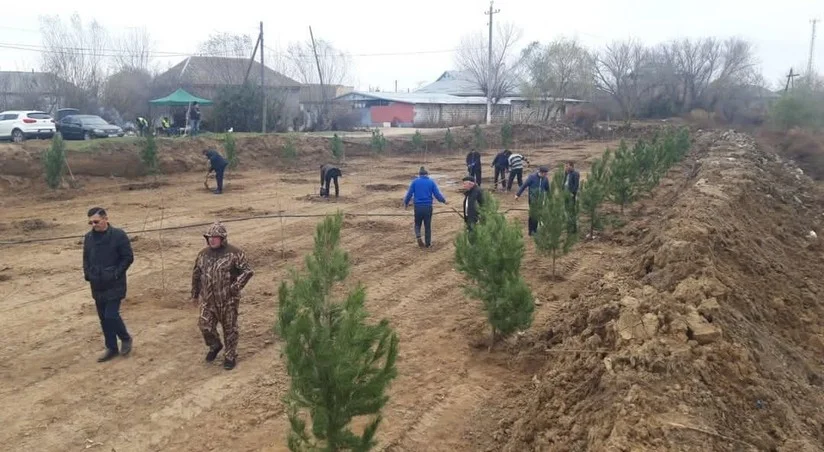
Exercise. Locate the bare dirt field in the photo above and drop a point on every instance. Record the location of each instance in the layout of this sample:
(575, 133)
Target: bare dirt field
(692, 323)
(163, 396)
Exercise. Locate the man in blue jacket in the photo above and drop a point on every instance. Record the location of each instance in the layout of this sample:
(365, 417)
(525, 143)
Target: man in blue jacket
(423, 189)
(107, 255)
(217, 164)
(538, 184)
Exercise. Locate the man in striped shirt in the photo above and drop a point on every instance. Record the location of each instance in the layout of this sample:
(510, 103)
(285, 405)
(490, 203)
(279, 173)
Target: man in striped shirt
(516, 169)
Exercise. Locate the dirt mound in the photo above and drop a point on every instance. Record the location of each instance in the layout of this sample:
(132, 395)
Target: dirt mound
(29, 225)
(711, 335)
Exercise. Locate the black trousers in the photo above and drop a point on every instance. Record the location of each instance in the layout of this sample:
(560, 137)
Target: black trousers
(423, 217)
(111, 323)
(513, 173)
(337, 189)
(476, 173)
(502, 173)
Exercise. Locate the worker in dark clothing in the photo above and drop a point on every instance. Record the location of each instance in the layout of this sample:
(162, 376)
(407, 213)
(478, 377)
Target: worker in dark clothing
(473, 200)
(107, 255)
(217, 164)
(194, 119)
(572, 180)
(329, 172)
(501, 165)
(423, 189)
(538, 185)
(473, 165)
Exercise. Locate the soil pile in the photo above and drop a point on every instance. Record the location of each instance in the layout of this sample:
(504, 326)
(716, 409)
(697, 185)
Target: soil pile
(711, 337)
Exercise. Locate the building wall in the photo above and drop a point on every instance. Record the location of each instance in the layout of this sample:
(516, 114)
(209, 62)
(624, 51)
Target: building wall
(448, 115)
(396, 113)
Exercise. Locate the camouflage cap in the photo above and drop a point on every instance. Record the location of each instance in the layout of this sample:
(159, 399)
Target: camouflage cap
(216, 230)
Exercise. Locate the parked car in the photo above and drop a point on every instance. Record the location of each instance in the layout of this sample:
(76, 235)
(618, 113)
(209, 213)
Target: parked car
(62, 113)
(86, 127)
(20, 125)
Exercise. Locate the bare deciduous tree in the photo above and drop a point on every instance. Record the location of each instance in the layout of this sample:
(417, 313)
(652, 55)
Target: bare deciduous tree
(134, 50)
(623, 71)
(128, 92)
(75, 54)
(228, 48)
(333, 64)
(473, 57)
(554, 72)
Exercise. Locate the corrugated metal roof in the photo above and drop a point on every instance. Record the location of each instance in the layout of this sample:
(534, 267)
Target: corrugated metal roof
(217, 71)
(456, 83)
(419, 98)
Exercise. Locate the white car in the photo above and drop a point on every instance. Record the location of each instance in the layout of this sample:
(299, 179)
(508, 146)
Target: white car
(19, 125)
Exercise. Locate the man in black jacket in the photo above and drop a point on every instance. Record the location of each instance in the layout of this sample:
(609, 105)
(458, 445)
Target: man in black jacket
(473, 165)
(217, 164)
(501, 164)
(473, 200)
(329, 172)
(107, 255)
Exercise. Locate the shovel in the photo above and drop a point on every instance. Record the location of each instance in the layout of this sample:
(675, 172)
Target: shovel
(206, 181)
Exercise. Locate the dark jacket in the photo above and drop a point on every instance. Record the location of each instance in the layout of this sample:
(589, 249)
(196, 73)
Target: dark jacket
(329, 171)
(216, 161)
(194, 112)
(106, 257)
(473, 200)
(501, 161)
(571, 181)
(422, 189)
(473, 159)
(536, 185)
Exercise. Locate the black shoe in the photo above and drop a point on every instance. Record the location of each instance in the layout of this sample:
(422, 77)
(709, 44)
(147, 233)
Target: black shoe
(218, 192)
(420, 243)
(108, 355)
(228, 364)
(125, 347)
(213, 353)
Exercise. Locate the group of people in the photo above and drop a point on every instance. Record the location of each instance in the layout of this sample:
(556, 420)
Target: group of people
(220, 273)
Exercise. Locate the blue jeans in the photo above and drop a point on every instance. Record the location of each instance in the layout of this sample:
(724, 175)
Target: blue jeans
(195, 124)
(112, 324)
(423, 216)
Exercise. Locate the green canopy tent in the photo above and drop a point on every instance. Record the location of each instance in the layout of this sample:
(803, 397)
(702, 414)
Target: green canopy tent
(180, 98)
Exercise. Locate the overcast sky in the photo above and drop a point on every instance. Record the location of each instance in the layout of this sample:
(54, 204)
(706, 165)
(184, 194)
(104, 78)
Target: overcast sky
(780, 30)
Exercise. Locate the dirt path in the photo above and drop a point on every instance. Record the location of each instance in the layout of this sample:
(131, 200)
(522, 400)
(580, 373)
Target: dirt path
(164, 397)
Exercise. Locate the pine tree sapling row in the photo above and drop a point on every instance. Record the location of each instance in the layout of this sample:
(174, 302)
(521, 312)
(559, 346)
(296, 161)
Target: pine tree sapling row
(553, 237)
(337, 148)
(340, 364)
(148, 154)
(490, 256)
(230, 145)
(54, 162)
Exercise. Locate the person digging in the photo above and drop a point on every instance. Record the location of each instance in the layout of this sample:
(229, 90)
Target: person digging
(329, 173)
(217, 164)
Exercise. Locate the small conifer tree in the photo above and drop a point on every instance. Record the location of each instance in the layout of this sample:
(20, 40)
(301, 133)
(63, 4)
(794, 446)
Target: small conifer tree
(337, 148)
(378, 142)
(339, 363)
(148, 154)
(623, 177)
(506, 135)
(592, 192)
(478, 137)
(54, 162)
(554, 238)
(490, 255)
(417, 140)
(230, 145)
(449, 140)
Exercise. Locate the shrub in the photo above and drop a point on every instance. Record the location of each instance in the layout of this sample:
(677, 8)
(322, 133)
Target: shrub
(449, 140)
(417, 140)
(340, 364)
(148, 154)
(290, 150)
(491, 257)
(554, 236)
(801, 108)
(378, 142)
(337, 148)
(230, 145)
(478, 137)
(54, 162)
(506, 135)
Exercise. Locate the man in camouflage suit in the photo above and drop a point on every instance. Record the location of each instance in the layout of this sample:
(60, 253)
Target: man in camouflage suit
(221, 271)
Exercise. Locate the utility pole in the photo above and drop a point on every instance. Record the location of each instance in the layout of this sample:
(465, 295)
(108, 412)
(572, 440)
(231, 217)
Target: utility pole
(490, 83)
(790, 81)
(322, 117)
(262, 79)
(810, 59)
